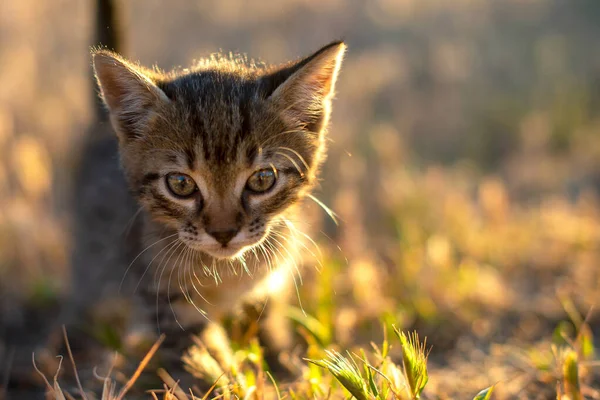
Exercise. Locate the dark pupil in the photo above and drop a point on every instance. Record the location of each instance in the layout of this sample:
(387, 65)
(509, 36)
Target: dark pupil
(181, 183)
(262, 180)
(263, 177)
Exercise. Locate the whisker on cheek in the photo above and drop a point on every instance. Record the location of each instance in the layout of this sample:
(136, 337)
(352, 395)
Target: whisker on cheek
(190, 263)
(290, 258)
(296, 286)
(164, 267)
(168, 247)
(175, 266)
(140, 254)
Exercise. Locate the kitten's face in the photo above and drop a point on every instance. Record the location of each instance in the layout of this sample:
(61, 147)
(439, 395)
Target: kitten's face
(220, 153)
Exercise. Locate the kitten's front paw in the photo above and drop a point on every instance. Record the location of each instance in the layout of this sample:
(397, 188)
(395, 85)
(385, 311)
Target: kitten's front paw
(282, 367)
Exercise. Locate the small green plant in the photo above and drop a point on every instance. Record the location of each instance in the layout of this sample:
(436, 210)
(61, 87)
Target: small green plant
(571, 376)
(385, 380)
(365, 375)
(347, 372)
(414, 361)
(485, 394)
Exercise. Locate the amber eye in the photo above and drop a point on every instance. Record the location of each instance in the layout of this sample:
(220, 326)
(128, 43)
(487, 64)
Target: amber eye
(181, 185)
(261, 181)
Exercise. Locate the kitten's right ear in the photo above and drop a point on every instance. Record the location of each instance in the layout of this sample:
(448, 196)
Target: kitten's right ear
(131, 96)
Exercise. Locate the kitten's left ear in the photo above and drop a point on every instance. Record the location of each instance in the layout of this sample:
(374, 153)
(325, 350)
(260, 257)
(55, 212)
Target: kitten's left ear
(304, 96)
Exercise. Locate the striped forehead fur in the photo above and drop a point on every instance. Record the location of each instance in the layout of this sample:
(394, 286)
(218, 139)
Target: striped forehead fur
(223, 115)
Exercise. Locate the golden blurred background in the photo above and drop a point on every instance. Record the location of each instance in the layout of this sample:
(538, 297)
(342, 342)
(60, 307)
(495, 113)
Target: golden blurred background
(464, 160)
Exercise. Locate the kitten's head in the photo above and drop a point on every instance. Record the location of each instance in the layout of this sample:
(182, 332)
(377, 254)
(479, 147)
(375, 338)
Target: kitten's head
(217, 153)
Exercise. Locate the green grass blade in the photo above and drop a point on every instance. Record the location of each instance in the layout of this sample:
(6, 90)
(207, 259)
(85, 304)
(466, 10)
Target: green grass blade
(414, 359)
(346, 372)
(571, 376)
(485, 394)
(312, 325)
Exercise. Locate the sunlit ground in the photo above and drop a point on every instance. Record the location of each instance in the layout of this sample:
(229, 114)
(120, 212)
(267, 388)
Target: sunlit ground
(464, 167)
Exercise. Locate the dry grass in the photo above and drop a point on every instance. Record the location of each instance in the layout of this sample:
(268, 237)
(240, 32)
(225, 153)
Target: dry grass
(363, 375)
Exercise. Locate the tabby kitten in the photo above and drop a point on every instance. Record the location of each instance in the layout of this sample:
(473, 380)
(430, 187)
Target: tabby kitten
(215, 157)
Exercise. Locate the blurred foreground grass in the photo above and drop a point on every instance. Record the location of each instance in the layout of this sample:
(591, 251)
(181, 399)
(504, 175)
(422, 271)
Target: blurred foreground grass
(376, 373)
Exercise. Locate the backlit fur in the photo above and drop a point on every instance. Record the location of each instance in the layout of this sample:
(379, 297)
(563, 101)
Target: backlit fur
(218, 123)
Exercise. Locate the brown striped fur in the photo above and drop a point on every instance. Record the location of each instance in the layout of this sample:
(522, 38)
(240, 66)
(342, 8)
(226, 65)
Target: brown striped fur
(217, 122)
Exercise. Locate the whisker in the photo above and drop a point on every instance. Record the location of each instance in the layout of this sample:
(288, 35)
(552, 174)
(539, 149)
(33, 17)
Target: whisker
(207, 271)
(129, 225)
(162, 263)
(138, 256)
(263, 309)
(242, 260)
(328, 210)
(296, 287)
(291, 259)
(292, 161)
(215, 272)
(190, 266)
(160, 278)
(256, 259)
(193, 270)
(274, 251)
(263, 256)
(267, 256)
(302, 160)
(270, 255)
(199, 282)
(299, 242)
(231, 268)
(182, 271)
(168, 246)
(295, 240)
(293, 228)
(277, 234)
(176, 266)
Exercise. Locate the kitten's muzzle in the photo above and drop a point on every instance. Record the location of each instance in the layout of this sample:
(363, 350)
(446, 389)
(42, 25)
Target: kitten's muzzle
(223, 236)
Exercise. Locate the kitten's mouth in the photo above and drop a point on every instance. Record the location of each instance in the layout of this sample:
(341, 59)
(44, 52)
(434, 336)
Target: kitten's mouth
(231, 250)
(220, 252)
(224, 252)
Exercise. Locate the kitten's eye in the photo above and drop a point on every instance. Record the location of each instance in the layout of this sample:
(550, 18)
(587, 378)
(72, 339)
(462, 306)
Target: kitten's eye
(181, 185)
(261, 181)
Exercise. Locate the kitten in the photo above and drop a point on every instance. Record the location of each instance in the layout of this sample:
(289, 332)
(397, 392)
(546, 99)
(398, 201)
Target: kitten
(195, 218)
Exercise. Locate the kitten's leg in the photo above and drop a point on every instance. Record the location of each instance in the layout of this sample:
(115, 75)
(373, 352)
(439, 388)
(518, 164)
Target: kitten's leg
(211, 334)
(274, 332)
(180, 357)
(214, 337)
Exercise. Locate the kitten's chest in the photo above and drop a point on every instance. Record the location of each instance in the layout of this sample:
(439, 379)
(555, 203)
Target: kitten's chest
(219, 295)
(197, 288)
